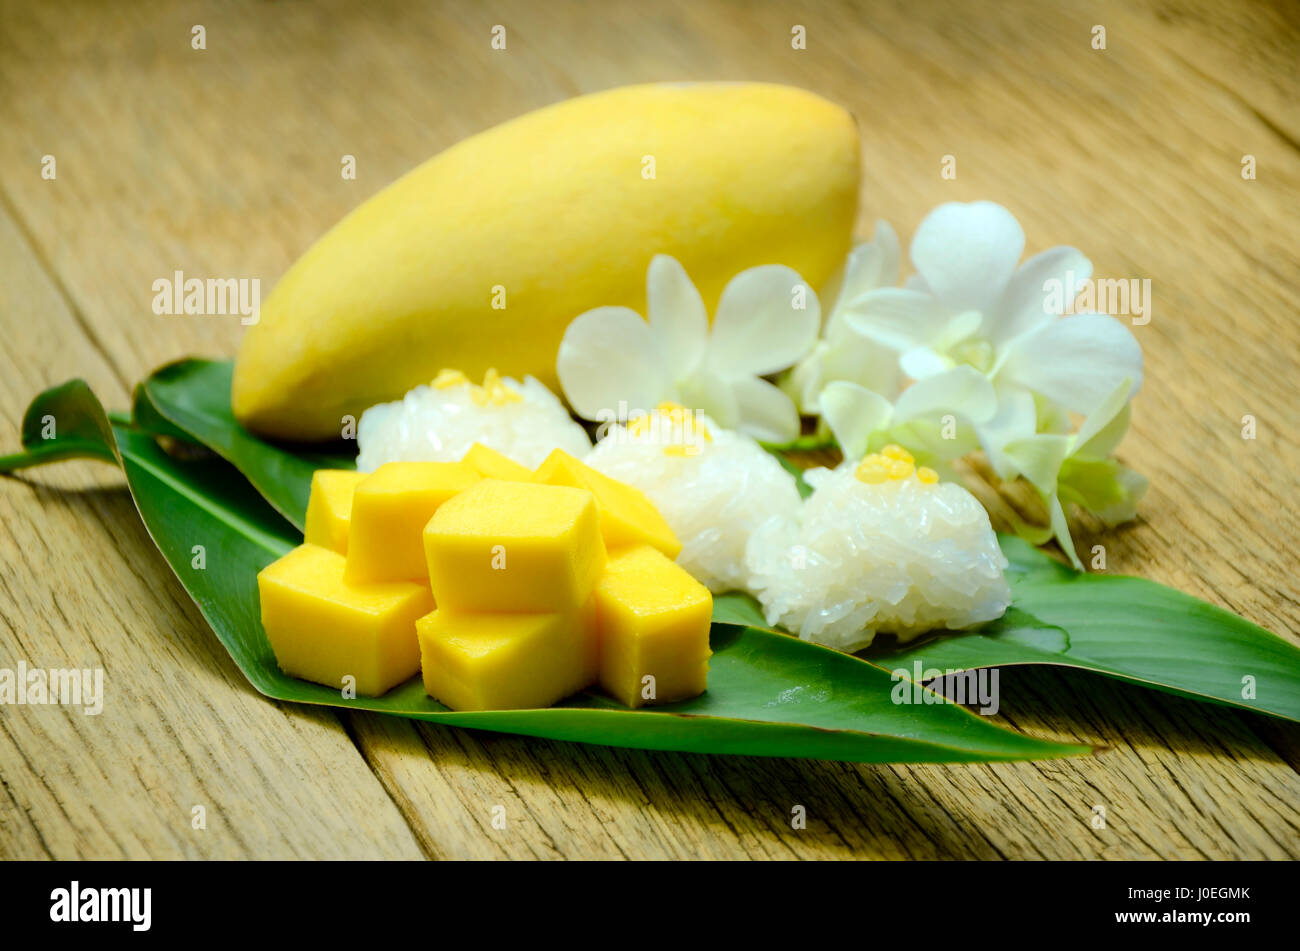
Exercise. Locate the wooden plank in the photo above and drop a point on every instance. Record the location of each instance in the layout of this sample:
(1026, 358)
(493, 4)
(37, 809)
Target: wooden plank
(84, 587)
(1248, 50)
(1175, 781)
(225, 162)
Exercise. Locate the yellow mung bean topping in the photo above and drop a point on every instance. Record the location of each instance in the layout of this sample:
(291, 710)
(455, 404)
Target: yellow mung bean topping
(892, 464)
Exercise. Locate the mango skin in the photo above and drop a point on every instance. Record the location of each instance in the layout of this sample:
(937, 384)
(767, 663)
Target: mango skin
(553, 207)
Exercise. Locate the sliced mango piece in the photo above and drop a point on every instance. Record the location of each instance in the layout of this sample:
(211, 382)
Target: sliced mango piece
(323, 629)
(627, 517)
(654, 621)
(390, 508)
(514, 546)
(491, 464)
(329, 508)
(507, 661)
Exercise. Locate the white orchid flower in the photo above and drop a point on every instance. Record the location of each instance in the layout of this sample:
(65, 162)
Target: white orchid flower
(843, 353)
(925, 419)
(1077, 468)
(972, 305)
(767, 318)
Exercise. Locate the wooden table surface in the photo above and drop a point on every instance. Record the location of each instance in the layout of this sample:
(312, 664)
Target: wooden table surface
(226, 162)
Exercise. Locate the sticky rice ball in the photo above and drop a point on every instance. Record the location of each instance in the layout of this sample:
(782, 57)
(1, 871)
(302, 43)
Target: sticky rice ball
(879, 547)
(713, 486)
(440, 421)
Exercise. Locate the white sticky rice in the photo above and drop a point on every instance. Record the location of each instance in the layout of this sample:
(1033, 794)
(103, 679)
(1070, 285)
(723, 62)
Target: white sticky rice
(440, 423)
(899, 557)
(713, 492)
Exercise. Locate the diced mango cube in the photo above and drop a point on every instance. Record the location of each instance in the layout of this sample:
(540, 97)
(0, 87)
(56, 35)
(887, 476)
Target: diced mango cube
(323, 629)
(514, 546)
(627, 517)
(390, 508)
(491, 464)
(329, 508)
(654, 621)
(507, 661)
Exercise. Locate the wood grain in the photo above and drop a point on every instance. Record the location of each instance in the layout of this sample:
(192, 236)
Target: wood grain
(225, 162)
(84, 587)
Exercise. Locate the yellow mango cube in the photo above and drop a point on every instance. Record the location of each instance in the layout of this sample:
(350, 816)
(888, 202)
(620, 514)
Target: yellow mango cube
(654, 621)
(507, 661)
(515, 547)
(390, 508)
(491, 464)
(627, 517)
(323, 629)
(329, 508)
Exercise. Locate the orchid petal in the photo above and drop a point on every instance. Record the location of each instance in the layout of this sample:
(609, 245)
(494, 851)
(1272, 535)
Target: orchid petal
(851, 356)
(922, 362)
(764, 411)
(929, 440)
(1016, 418)
(805, 381)
(1052, 416)
(960, 327)
(962, 391)
(759, 328)
(853, 413)
(1041, 290)
(1061, 529)
(1076, 361)
(677, 314)
(896, 317)
(1105, 426)
(1039, 459)
(870, 265)
(609, 355)
(1121, 501)
(1034, 534)
(967, 253)
(707, 393)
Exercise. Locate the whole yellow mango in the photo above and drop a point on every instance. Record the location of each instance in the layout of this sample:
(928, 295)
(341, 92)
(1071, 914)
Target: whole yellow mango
(482, 256)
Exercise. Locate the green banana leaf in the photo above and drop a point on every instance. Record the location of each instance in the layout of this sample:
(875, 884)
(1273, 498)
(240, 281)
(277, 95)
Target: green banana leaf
(813, 442)
(1128, 628)
(769, 694)
(62, 424)
(194, 397)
